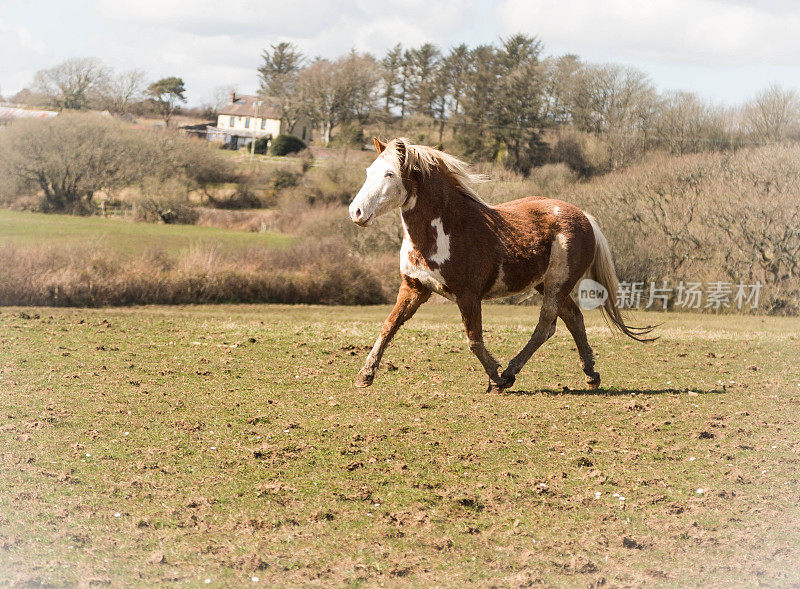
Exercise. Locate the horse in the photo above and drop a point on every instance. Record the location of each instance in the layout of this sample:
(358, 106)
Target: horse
(456, 245)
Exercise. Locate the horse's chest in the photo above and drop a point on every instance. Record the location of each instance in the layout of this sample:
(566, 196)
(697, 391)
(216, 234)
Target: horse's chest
(414, 265)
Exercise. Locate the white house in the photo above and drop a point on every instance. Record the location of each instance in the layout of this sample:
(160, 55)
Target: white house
(248, 117)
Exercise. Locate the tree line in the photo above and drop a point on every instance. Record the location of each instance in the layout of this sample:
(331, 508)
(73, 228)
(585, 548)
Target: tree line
(505, 102)
(508, 102)
(87, 83)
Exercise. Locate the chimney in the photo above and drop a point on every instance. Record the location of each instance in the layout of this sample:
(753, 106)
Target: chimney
(233, 96)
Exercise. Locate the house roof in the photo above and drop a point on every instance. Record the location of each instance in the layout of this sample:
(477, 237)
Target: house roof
(244, 106)
(10, 113)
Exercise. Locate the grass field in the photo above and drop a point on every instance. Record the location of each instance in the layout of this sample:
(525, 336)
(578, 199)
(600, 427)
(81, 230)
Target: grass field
(225, 445)
(123, 236)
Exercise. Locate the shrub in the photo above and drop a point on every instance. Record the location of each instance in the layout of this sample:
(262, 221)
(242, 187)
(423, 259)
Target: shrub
(321, 272)
(586, 154)
(261, 145)
(283, 178)
(350, 134)
(243, 220)
(72, 157)
(711, 216)
(242, 195)
(553, 179)
(169, 212)
(286, 144)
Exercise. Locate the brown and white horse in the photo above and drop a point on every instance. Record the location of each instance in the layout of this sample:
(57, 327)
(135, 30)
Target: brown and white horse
(459, 247)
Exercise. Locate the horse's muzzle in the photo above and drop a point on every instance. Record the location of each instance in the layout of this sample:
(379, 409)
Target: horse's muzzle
(357, 216)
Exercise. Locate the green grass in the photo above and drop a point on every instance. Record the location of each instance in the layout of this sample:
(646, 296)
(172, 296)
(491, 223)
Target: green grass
(122, 235)
(178, 444)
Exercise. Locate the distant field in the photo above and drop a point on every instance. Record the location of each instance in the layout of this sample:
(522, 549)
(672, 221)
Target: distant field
(226, 443)
(123, 236)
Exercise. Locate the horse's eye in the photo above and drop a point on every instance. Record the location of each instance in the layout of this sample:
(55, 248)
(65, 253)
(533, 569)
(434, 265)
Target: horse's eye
(389, 174)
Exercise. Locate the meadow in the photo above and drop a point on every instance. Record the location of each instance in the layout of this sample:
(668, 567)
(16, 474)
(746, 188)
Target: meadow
(122, 236)
(224, 446)
(65, 260)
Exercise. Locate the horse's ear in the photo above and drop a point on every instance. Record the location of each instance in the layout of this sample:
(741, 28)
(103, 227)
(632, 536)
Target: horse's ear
(401, 152)
(379, 145)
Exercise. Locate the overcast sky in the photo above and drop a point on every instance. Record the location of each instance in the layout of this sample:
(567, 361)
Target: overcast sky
(724, 50)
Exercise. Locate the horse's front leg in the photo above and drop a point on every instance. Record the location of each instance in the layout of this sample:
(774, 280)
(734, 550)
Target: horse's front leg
(470, 308)
(411, 295)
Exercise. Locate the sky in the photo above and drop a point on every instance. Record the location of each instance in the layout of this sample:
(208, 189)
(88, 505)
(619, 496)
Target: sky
(724, 50)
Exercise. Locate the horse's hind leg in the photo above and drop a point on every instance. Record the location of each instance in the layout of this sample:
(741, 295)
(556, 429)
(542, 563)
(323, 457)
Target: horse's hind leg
(571, 314)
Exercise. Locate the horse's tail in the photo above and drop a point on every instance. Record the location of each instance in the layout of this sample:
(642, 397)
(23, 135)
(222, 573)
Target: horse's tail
(602, 271)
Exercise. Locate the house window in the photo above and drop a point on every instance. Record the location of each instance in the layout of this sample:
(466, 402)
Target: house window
(247, 122)
(233, 121)
(263, 123)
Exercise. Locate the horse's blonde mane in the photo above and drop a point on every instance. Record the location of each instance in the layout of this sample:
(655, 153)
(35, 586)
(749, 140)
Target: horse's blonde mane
(427, 160)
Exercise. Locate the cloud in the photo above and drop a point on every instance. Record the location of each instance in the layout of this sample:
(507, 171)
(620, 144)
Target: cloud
(212, 44)
(210, 17)
(20, 48)
(711, 32)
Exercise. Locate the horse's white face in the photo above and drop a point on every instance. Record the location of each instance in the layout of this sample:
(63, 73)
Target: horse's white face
(382, 191)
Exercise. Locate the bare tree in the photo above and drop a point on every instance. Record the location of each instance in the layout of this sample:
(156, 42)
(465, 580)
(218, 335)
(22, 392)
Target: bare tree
(218, 98)
(30, 98)
(338, 91)
(773, 115)
(72, 83)
(562, 84)
(619, 103)
(119, 92)
(324, 95)
(686, 124)
(69, 158)
(362, 70)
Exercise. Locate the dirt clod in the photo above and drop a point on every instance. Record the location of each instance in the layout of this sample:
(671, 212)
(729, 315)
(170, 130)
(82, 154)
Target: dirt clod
(629, 542)
(158, 557)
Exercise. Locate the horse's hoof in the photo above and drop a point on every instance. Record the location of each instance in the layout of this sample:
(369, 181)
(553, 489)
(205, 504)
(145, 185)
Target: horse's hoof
(364, 380)
(593, 381)
(501, 385)
(507, 380)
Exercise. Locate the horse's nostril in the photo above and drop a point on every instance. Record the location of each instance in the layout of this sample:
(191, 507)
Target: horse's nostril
(358, 213)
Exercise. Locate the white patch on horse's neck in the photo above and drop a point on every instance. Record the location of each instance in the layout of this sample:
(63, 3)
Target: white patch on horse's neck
(442, 253)
(433, 279)
(556, 210)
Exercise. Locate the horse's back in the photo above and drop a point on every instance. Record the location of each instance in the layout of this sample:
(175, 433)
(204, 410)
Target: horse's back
(546, 217)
